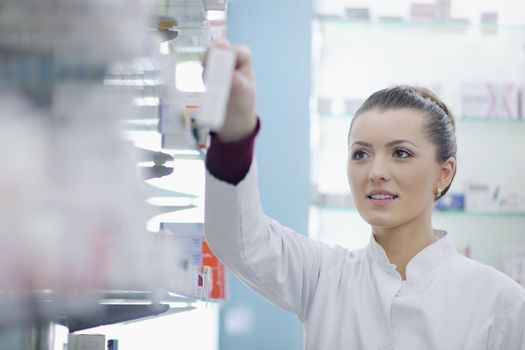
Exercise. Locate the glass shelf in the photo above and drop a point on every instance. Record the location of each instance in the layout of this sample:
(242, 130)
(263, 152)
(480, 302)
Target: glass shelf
(454, 24)
(489, 120)
(479, 213)
(459, 119)
(98, 308)
(457, 213)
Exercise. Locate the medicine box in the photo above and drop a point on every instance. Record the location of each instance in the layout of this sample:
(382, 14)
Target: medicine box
(490, 100)
(86, 342)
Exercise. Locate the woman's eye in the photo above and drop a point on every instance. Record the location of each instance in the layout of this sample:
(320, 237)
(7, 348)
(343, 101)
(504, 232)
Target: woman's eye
(359, 155)
(401, 153)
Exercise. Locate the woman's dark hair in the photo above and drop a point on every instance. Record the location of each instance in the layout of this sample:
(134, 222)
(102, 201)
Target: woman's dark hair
(441, 126)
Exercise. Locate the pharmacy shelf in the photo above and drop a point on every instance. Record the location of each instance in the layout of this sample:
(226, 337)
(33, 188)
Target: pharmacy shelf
(446, 213)
(462, 213)
(486, 236)
(131, 306)
(353, 58)
(100, 308)
(454, 24)
(459, 119)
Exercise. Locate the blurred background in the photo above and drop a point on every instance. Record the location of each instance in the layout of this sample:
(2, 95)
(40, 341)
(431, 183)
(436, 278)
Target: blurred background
(101, 236)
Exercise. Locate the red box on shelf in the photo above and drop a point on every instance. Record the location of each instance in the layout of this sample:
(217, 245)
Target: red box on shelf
(218, 278)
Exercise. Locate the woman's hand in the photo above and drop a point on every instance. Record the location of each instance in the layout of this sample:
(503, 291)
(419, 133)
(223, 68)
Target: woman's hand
(240, 119)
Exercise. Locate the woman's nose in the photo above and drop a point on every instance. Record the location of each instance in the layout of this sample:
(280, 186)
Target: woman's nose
(378, 170)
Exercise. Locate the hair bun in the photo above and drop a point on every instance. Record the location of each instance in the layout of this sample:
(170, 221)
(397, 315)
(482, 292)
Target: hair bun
(428, 94)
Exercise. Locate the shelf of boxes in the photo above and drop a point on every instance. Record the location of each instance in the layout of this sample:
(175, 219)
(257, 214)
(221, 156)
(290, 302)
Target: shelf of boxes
(472, 57)
(72, 115)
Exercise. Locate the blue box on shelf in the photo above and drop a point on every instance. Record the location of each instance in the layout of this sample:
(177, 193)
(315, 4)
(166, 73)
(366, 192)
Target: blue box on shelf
(113, 344)
(451, 201)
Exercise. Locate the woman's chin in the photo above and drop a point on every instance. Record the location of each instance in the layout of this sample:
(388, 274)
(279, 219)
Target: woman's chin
(383, 220)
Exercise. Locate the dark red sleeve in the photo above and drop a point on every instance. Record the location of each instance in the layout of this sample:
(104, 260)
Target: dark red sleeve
(230, 161)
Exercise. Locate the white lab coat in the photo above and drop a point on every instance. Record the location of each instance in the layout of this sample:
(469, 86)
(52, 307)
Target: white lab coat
(356, 299)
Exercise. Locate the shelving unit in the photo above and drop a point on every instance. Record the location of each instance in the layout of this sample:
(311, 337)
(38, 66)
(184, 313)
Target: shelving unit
(442, 213)
(459, 119)
(453, 25)
(105, 308)
(114, 82)
(353, 58)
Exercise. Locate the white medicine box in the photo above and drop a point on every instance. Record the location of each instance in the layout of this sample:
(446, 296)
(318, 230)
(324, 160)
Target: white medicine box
(490, 100)
(86, 342)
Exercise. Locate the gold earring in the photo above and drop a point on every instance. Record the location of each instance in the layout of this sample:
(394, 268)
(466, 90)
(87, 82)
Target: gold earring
(438, 191)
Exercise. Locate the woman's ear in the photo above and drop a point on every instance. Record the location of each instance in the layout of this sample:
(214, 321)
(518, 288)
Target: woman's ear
(447, 172)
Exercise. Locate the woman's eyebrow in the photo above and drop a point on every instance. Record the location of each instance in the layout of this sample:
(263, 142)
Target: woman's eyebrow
(364, 144)
(397, 142)
(389, 144)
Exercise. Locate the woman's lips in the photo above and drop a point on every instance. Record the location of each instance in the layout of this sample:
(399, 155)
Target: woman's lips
(384, 201)
(381, 197)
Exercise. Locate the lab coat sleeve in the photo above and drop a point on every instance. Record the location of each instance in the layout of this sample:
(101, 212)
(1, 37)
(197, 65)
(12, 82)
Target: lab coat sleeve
(511, 328)
(278, 263)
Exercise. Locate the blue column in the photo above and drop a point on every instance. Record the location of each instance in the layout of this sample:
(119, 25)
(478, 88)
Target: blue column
(279, 35)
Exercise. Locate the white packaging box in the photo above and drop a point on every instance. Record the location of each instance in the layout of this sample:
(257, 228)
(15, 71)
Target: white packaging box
(513, 203)
(352, 105)
(481, 197)
(422, 12)
(324, 105)
(443, 8)
(220, 66)
(181, 246)
(189, 239)
(489, 18)
(358, 13)
(490, 100)
(86, 342)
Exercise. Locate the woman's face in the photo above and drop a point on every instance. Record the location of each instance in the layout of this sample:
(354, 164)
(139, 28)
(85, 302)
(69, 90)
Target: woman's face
(392, 167)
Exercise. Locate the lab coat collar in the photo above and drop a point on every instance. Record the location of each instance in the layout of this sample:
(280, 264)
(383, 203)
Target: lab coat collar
(424, 265)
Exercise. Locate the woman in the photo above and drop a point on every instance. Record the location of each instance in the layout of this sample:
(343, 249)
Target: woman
(408, 288)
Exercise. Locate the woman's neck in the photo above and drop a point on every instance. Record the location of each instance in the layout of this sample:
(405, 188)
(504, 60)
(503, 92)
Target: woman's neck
(402, 243)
